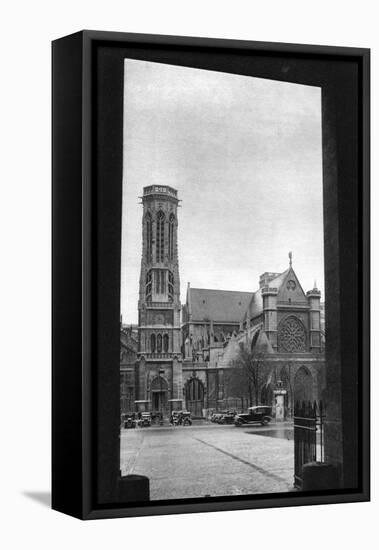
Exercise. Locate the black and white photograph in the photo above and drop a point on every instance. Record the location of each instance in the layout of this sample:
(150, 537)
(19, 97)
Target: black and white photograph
(188, 318)
(211, 282)
(222, 313)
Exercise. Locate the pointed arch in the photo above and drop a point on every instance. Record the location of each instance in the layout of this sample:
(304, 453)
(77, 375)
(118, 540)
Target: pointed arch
(159, 343)
(152, 343)
(149, 237)
(159, 383)
(160, 236)
(291, 335)
(171, 233)
(165, 343)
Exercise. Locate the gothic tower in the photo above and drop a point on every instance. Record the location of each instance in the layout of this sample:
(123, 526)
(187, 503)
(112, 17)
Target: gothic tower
(159, 364)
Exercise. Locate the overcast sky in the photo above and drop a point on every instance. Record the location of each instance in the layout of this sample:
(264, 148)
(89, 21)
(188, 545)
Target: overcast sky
(245, 156)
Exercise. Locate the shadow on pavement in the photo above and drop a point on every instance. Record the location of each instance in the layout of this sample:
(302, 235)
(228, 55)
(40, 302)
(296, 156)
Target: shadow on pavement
(42, 497)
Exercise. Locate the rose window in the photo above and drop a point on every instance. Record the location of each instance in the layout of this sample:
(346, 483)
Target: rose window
(291, 335)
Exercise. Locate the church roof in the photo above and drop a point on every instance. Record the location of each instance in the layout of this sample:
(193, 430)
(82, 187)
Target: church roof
(278, 281)
(263, 344)
(255, 306)
(227, 306)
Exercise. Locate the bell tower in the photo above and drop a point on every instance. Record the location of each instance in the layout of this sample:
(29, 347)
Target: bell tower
(159, 371)
(159, 280)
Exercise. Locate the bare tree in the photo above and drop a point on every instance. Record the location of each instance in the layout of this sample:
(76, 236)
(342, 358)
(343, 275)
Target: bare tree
(248, 374)
(235, 384)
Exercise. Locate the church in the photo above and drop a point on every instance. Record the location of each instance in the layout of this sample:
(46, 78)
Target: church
(189, 357)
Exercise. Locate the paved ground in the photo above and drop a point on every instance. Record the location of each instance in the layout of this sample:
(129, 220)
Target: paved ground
(209, 460)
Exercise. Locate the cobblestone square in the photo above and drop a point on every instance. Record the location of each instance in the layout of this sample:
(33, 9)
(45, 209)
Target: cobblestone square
(209, 460)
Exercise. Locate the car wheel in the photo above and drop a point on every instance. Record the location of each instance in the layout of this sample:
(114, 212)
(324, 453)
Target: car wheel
(265, 421)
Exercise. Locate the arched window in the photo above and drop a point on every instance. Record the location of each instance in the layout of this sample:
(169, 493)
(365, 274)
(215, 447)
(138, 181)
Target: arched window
(291, 335)
(171, 227)
(160, 236)
(159, 343)
(170, 286)
(160, 281)
(165, 343)
(149, 237)
(152, 343)
(148, 286)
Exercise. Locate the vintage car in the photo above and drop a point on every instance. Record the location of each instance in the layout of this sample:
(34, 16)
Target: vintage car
(157, 418)
(145, 419)
(216, 417)
(227, 418)
(181, 418)
(186, 418)
(129, 420)
(260, 414)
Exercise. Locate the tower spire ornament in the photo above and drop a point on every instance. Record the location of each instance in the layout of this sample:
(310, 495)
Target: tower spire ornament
(290, 257)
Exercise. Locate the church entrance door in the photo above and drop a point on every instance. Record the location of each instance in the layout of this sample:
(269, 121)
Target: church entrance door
(159, 402)
(159, 395)
(195, 397)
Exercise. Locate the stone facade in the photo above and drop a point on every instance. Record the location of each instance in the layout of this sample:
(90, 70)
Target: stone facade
(281, 323)
(185, 357)
(158, 375)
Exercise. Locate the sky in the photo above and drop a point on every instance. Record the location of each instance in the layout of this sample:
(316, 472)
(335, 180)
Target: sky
(245, 156)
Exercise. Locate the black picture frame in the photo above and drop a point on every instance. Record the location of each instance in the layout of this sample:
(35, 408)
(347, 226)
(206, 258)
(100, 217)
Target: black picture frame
(87, 79)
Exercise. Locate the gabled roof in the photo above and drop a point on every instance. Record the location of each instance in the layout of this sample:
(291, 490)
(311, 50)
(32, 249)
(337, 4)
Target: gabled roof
(278, 281)
(227, 306)
(297, 294)
(255, 306)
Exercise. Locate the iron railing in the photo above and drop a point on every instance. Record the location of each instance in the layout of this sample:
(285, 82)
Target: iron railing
(308, 436)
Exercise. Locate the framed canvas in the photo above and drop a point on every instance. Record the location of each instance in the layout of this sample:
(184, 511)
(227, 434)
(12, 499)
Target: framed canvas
(210, 275)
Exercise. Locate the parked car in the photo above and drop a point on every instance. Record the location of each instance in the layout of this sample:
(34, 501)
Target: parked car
(185, 418)
(227, 418)
(181, 418)
(221, 416)
(130, 420)
(157, 418)
(145, 419)
(261, 414)
(216, 417)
